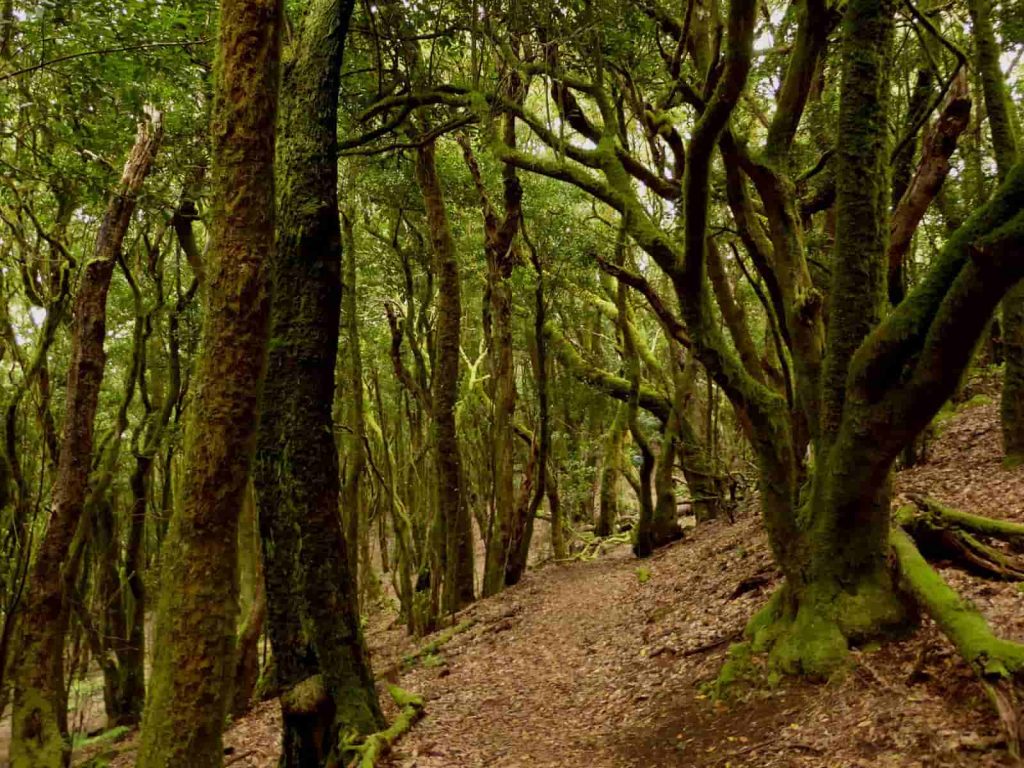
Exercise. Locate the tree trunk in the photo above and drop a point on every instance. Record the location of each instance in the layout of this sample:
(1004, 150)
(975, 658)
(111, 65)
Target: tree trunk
(40, 710)
(608, 496)
(253, 600)
(453, 514)
(1004, 144)
(197, 611)
(502, 442)
(507, 526)
(327, 686)
(839, 589)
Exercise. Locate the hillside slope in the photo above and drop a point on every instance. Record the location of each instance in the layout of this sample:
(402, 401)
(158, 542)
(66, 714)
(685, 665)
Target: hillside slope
(605, 663)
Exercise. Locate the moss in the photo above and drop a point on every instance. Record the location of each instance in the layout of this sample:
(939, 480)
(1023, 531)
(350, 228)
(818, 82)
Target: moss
(988, 655)
(812, 637)
(874, 607)
(1012, 461)
(943, 417)
(975, 402)
(739, 668)
(41, 745)
(1004, 530)
(305, 697)
(442, 639)
(83, 740)
(811, 644)
(643, 575)
(377, 744)
(759, 629)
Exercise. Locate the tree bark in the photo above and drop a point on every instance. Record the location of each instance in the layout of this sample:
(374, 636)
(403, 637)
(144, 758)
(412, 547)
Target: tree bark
(38, 736)
(189, 692)
(938, 146)
(253, 600)
(1004, 144)
(313, 620)
(611, 462)
(502, 255)
(453, 514)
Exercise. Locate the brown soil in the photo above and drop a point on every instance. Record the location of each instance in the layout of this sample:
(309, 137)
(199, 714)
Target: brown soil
(605, 663)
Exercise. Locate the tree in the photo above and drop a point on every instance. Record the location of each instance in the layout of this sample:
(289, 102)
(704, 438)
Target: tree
(197, 610)
(844, 396)
(1004, 145)
(455, 526)
(39, 730)
(323, 674)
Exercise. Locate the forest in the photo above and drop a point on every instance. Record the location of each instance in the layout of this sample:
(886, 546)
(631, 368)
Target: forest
(505, 383)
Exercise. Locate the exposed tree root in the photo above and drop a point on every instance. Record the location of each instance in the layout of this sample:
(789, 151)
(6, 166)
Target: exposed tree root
(594, 545)
(377, 745)
(436, 644)
(942, 532)
(998, 663)
(983, 526)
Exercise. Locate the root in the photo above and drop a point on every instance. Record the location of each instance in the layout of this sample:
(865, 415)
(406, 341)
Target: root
(594, 546)
(942, 532)
(998, 663)
(377, 745)
(810, 634)
(437, 643)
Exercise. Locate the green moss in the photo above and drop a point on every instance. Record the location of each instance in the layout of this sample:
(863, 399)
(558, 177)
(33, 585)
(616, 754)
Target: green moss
(811, 644)
(379, 743)
(304, 697)
(83, 740)
(739, 668)
(874, 607)
(975, 402)
(431, 648)
(48, 748)
(643, 575)
(813, 638)
(942, 418)
(988, 655)
(762, 625)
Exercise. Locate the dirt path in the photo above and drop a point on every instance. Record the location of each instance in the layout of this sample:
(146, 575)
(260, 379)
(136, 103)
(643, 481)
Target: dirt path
(590, 665)
(606, 664)
(534, 686)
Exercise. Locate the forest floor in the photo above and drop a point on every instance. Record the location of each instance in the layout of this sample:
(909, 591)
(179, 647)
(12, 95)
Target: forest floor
(607, 663)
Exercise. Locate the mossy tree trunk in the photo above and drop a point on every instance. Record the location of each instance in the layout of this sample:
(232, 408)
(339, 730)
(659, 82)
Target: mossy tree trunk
(453, 514)
(502, 253)
(611, 467)
(862, 390)
(253, 604)
(355, 444)
(838, 584)
(544, 485)
(197, 610)
(39, 726)
(313, 621)
(1004, 143)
